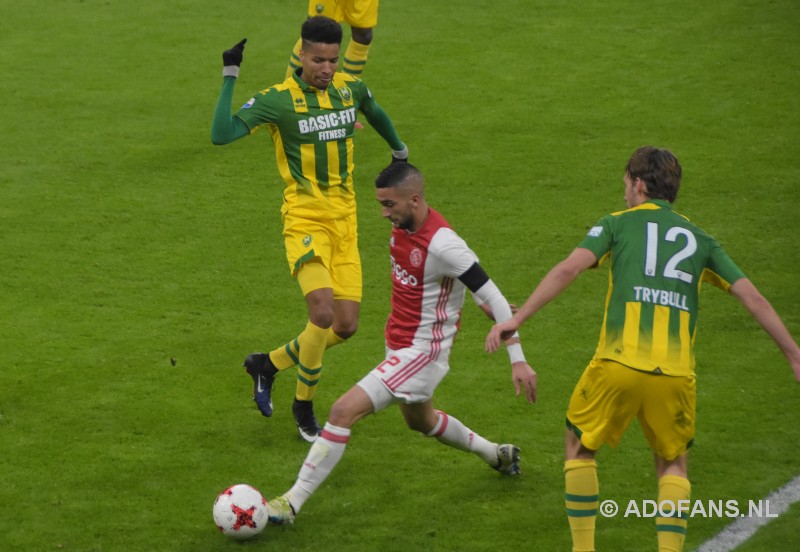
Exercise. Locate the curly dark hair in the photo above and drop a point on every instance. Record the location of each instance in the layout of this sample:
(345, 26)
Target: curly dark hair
(321, 29)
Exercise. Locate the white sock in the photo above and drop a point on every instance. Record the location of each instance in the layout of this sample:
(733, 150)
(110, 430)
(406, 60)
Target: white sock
(452, 432)
(323, 456)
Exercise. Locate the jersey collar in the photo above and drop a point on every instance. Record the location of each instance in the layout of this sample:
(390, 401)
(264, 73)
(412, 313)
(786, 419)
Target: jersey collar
(304, 86)
(663, 203)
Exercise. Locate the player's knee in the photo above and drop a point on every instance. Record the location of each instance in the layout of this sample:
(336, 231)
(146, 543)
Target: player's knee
(343, 413)
(345, 329)
(361, 35)
(338, 413)
(321, 319)
(320, 310)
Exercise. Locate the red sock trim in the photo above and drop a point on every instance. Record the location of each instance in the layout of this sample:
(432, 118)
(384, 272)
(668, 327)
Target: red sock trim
(443, 420)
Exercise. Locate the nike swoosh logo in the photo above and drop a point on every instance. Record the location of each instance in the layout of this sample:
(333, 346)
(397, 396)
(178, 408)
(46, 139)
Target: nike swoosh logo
(258, 385)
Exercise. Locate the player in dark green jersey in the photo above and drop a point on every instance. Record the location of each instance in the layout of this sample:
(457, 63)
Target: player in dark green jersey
(644, 362)
(311, 117)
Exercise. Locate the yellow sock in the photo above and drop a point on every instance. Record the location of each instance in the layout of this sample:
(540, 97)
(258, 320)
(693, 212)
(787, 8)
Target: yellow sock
(582, 500)
(333, 339)
(286, 356)
(294, 59)
(355, 58)
(671, 531)
(312, 345)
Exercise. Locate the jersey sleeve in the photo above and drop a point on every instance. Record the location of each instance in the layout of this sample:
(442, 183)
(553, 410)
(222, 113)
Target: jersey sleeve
(599, 238)
(455, 254)
(363, 94)
(376, 116)
(721, 271)
(260, 109)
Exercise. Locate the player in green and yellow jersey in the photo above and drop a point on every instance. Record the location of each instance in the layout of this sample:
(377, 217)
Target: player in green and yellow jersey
(644, 363)
(311, 116)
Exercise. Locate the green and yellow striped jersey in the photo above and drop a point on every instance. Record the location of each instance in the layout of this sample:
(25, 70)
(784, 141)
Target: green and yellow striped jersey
(313, 134)
(658, 261)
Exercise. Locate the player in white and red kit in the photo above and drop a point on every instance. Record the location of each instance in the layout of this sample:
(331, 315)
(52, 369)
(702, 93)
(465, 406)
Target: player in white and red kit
(431, 269)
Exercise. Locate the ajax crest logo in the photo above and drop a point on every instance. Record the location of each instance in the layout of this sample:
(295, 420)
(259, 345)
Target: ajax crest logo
(344, 92)
(307, 240)
(416, 257)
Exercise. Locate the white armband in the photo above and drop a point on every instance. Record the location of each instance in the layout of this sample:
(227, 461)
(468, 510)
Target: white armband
(231, 71)
(515, 352)
(401, 154)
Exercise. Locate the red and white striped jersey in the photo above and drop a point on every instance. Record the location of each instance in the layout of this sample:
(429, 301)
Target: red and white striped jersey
(426, 294)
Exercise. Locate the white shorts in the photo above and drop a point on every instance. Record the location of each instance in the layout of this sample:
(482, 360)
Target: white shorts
(407, 375)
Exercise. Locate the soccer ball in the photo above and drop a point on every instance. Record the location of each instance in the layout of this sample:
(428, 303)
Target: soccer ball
(240, 512)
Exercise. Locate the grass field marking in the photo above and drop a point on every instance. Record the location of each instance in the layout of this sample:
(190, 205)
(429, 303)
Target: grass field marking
(743, 528)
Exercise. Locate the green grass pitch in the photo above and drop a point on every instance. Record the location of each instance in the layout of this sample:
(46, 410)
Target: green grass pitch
(128, 241)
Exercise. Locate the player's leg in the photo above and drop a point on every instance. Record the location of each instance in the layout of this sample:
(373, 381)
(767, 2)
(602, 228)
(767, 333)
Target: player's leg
(362, 16)
(345, 323)
(315, 281)
(333, 294)
(355, 56)
(311, 248)
(581, 491)
(668, 421)
(294, 58)
(452, 432)
(601, 407)
(674, 490)
(324, 454)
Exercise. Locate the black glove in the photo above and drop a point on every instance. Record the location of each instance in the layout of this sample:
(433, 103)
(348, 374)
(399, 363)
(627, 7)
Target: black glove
(234, 55)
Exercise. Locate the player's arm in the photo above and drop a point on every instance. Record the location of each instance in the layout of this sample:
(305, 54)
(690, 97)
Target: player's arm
(485, 291)
(225, 128)
(487, 310)
(761, 309)
(556, 281)
(381, 122)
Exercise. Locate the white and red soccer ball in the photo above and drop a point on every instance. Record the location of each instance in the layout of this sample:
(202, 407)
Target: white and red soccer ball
(240, 512)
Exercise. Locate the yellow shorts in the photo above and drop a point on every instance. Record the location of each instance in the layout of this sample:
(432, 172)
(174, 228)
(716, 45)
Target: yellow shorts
(356, 13)
(332, 243)
(608, 396)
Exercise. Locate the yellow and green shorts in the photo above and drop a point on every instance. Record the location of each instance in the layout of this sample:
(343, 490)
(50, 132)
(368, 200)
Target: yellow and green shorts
(356, 13)
(334, 245)
(609, 394)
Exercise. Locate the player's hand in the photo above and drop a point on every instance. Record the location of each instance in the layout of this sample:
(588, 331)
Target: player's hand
(524, 380)
(400, 156)
(499, 333)
(234, 55)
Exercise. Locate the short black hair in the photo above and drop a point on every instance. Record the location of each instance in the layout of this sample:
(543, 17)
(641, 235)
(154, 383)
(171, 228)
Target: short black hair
(395, 173)
(321, 29)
